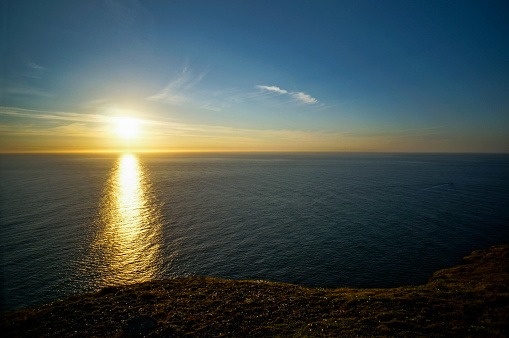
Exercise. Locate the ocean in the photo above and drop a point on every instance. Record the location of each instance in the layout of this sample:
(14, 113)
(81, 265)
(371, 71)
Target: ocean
(74, 223)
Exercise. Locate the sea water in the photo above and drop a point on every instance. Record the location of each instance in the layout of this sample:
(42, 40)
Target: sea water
(76, 223)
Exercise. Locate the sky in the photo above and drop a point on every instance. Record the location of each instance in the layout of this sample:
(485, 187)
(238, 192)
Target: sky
(373, 76)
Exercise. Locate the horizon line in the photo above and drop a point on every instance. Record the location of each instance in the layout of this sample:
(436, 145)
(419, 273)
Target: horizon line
(117, 151)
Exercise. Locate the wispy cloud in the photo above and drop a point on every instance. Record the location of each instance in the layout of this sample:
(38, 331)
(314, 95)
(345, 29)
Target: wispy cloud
(298, 96)
(176, 91)
(208, 106)
(26, 80)
(25, 122)
(19, 121)
(304, 98)
(181, 90)
(49, 115)
(67, 130)
(33, 70)
(273, 89)
(25, 90)
(162, 131)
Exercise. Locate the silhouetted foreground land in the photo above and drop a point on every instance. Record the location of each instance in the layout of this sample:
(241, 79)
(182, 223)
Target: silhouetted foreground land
(471, 299)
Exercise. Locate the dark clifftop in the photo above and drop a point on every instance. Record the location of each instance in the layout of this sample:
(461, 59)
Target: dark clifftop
(471, 299)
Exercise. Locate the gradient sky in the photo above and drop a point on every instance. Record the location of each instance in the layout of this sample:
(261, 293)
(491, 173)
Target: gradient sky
(255, 75)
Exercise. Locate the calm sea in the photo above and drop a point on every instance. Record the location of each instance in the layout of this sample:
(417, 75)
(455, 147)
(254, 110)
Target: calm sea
(76, 223)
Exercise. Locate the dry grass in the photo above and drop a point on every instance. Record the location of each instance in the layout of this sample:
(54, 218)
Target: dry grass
(471, 299)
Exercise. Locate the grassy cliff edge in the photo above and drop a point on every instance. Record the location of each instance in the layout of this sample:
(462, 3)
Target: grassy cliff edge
(471, 299)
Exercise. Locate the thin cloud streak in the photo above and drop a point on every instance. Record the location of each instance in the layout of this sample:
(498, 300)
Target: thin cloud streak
(174, 92)
(179, 126)
(47, 115)
(74, 129)
(33, 71)
(303, 97)
(179, 92)
(273, 89)
(27, 87)
(298, 96)
(219, 137)
(57, 123)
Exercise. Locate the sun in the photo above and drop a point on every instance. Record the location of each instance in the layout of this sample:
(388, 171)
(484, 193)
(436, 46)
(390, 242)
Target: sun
(127, 127)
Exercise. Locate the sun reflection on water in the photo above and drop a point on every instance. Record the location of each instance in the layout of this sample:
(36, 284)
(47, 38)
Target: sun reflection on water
(128, 243)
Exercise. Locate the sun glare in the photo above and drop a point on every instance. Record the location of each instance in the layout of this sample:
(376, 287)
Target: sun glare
(126, 127)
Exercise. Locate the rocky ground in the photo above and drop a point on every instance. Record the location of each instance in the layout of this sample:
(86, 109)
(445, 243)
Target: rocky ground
(471, 299)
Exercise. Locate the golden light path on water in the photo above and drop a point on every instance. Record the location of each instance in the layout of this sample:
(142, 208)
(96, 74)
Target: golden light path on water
(129, 239)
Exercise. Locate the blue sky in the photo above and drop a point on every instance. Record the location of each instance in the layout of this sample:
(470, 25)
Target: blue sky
(256, 75)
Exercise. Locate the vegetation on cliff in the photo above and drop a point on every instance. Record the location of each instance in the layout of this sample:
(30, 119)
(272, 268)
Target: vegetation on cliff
(471, 299)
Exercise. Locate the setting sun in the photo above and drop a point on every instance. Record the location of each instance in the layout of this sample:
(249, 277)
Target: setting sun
(126, 127)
